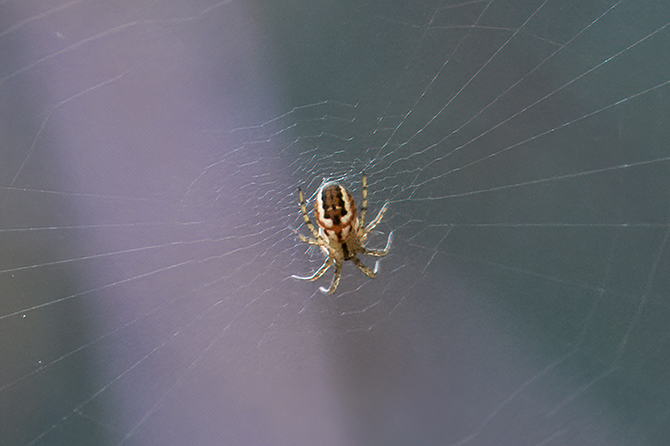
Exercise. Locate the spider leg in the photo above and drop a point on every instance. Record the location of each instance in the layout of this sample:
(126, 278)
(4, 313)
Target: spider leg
(368, 272)
(380, 252)
(318, 272)
(305, 216)
(364, 203)
(377, 219)
(309, 240)
(336, 279)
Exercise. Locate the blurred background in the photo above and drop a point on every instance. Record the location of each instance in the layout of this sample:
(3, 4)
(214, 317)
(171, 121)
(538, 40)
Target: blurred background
(150, 156)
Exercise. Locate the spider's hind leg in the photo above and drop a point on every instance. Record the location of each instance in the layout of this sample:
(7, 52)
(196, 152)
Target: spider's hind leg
(378, 218)
(364, 203)
(305, 216)
(380, 252)
(308, 240)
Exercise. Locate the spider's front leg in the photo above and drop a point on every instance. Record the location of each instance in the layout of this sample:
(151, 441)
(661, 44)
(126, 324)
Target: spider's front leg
(368, 272)
(336, 279)
(320, 272)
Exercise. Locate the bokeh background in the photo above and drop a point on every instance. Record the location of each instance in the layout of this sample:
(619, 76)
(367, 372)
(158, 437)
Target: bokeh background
(150, 155)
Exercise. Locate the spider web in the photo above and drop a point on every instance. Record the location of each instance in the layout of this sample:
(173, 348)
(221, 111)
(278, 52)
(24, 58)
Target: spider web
(150, 159)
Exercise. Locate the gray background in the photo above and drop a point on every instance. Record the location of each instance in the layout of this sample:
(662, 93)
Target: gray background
(150, 155)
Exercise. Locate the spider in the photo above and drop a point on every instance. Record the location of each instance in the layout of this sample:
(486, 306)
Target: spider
(341, 234)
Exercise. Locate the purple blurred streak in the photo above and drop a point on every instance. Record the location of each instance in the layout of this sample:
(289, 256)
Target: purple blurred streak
(132, 96)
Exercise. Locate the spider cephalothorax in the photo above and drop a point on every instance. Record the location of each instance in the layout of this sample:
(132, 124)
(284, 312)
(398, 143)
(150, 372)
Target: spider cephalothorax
(342, 233)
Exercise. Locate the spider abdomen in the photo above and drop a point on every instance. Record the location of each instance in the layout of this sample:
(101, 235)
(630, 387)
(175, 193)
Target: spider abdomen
(335, 211)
